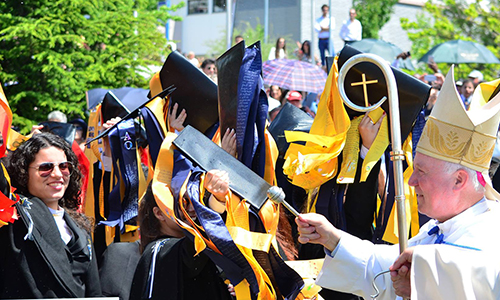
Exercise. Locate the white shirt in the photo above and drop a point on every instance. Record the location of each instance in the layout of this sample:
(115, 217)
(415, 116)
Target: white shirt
(64, 230)
(356, 262)
(447, 272)
(351, 31)
(323, 22)
(272, 54)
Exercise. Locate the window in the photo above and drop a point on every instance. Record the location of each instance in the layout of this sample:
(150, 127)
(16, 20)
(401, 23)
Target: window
(219, 6)
(197, 7)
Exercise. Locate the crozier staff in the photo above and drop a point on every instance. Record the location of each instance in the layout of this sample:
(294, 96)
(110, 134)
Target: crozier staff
(452, 186)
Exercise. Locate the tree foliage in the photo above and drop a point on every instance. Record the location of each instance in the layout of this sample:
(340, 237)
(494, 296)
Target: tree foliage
(373, 14)
(53, 51)
(448, 20)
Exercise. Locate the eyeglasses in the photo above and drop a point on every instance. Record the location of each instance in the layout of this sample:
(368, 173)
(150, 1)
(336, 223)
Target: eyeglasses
(46, 168)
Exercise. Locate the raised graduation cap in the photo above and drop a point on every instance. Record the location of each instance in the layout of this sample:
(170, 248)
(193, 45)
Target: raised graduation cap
(128, 95)
(113, 107)
(208, 156)
(228, 73)
(64, 130)
(290, 118)
(412, 93)
(195, 92)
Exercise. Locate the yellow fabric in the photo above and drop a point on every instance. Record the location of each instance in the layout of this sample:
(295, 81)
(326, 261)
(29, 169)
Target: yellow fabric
(412, 221)
(157, 106)
(15, 139)
(155, 86)
(95, 126)
(308, 270)
(379, 144)
(410, 194)
(350, 154)
(5, 116)
(249, 239)
(89, 205)
(482, 93)
(312, 198)
(271, 157)
(315, 163)
(131, 234)
(161, 188)
(309, 291)
(237, 216)
(242, 290)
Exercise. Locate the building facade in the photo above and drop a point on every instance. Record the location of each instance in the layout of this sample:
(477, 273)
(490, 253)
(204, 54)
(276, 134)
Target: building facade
(204, 21)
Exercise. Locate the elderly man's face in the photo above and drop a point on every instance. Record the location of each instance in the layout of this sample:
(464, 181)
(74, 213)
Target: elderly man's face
(434, 188)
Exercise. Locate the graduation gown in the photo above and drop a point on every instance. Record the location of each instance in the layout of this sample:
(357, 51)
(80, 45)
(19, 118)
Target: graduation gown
(446, 272)
(45, 267)
(178, 274)
(356, 262)
(117, 268)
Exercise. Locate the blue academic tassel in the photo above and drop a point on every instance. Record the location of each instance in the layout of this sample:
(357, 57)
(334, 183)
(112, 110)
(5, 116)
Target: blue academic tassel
(440, 239)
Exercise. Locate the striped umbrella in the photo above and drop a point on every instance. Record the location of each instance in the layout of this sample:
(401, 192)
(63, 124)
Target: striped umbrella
(295, 75)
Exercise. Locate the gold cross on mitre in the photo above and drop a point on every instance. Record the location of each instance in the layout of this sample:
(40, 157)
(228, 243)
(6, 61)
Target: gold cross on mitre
(364, 83)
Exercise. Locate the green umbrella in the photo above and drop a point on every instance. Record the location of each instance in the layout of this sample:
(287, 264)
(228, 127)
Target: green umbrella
(460, 52)
(384, 49)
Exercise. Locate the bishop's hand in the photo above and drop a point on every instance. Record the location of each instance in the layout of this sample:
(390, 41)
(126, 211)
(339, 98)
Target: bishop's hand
(400, 274)
(316, 229)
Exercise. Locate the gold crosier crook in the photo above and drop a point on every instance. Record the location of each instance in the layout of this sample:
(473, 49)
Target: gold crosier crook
(397, 154)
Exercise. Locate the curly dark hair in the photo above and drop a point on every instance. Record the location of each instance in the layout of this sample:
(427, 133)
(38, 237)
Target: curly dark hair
(18, 164)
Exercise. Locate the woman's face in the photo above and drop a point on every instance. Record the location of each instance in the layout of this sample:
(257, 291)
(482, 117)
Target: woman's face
(281, 43)
(306, 47)
(49, 185)
(275, 92)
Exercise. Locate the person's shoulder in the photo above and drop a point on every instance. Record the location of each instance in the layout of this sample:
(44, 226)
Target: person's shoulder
(163, 244)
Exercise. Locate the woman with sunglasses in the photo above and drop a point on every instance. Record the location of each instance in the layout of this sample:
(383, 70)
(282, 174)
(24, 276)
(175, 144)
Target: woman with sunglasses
(47, 252)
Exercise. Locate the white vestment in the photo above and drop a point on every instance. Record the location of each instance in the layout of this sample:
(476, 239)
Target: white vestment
(447, 272)
(356, 262)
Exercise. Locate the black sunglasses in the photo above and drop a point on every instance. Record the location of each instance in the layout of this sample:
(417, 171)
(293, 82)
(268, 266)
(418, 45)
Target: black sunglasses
(46, 168)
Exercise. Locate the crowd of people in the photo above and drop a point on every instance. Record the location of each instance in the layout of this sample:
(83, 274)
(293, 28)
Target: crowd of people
(179, 245)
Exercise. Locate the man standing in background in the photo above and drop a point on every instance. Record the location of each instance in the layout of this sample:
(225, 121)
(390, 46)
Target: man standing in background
(322, 27)
(351, 30)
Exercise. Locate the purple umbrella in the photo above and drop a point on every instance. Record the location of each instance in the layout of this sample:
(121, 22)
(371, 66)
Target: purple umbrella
(294, 75)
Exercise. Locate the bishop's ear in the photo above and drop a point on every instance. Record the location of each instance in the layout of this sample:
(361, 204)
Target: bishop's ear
(462, 178)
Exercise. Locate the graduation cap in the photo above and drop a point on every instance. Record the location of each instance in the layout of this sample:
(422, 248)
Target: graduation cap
(228, 73)
(195, 92)
(412, 93)
(290, 118)
(113, 107)
(64, 130)
(208, 156)
(128, 95)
